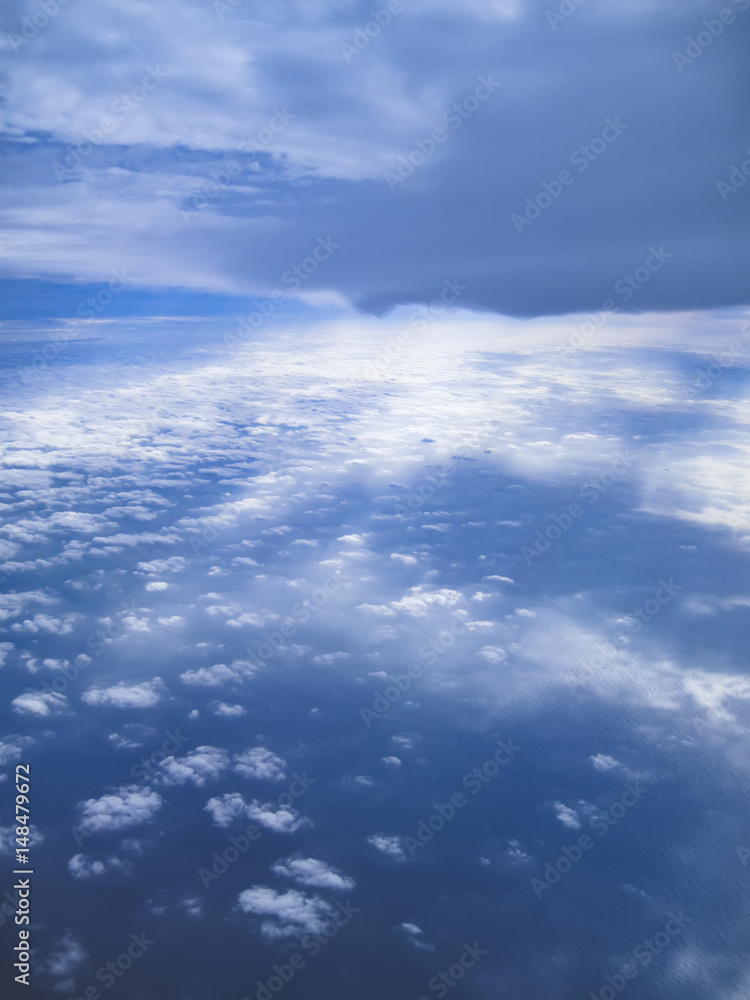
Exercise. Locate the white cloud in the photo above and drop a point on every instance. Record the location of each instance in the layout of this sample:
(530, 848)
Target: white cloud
(567, 816)
(12, 748)
(493, 654)
(8, 838)
(40, 703)
(47, 623)
(227, 809)
(203, 764)
(219, 674)
(128, 806)
(259, 762)
(145, 694)
(419, 601)
(286, 914)
(157, 585)
(312, 872)
(604, 763)
(255, 618)
(174, 564)
(228, 711)
(82, 866)
(389, 845)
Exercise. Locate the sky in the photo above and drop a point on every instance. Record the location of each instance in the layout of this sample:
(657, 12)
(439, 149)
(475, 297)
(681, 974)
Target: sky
(374, 589)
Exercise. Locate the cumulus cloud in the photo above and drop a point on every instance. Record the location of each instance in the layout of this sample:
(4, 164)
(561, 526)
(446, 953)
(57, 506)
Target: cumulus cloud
(8, 838)
(604, 763)
(203, 764)
(419, 601)
(286, 914)
(145, 694)
(13, 747)
(82, 866)
(567, 816)
(390, 845)
(259, 762)
(128, 806)
(227, 711)
(312, 872)
(255, 618)
(40, 703)
(219, 674)
(228, 808)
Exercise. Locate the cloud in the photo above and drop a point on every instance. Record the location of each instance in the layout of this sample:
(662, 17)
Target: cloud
(41, 703)
(361, 140)
(66, 955)
(227, 711)
(13, 747)
(604, 763)
(418, 601)
(8, 838)
(146, 694)
(203, 764)
(567, 816)
(228, 808)
(219, 674)
(312, 872)
(82, 866)
(286, 914)
(128, 806)
(259, 762)
(386, 844)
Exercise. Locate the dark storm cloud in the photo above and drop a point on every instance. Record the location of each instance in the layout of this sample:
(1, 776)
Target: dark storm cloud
(568, 149)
